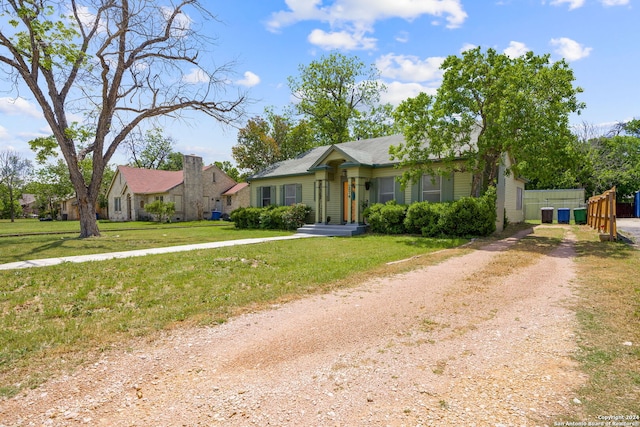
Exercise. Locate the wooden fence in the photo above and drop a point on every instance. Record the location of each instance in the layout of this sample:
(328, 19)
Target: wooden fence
(601, 214)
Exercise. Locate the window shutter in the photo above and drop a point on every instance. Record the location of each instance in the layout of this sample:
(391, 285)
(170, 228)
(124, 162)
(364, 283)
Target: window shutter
(258, 197)
(328, 187)
(398, 192)
(272, 196)
(298, 193)
(282, 194)
(416, 189)
(373, 191)
(446, 188)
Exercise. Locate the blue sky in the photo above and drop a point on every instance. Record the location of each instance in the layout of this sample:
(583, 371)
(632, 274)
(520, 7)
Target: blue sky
(406, 39)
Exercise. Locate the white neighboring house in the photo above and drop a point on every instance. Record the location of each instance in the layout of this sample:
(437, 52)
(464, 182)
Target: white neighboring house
(197, 192)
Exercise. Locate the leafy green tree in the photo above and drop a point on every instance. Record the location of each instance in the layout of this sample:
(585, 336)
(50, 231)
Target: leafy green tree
(116, 63)
(490, 104)
(332, 92)
(173, 162)
(151, 150)
(14, 174)
(228, 168)
(162, 210)
(264, 141)
(378, 121)
(616, 162)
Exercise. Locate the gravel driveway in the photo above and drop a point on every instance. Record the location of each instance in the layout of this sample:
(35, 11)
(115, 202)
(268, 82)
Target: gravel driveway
(432, 347)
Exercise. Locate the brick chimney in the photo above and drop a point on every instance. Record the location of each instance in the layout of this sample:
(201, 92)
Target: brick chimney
(192, 176)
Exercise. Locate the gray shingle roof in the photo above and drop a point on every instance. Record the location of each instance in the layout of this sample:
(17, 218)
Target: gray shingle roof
(369, 152)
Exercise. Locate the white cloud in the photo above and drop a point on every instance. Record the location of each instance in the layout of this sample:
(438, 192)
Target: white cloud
(250, 79)
(398, 92)
(573, 4)
(196, 75)
(4, 134)
(19, 106)
(608, 3)
(341, 40)
(467, 46)
(569, 49)
(359, 17)
(410, 68)
(516, 49)
(402, 37)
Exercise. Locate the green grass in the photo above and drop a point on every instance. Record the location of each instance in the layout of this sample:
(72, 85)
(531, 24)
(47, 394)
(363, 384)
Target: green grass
(71, 312)
(116, 237)
(608, 313)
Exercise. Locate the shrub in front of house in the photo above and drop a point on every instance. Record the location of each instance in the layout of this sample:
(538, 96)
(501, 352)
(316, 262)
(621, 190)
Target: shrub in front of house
(387, 218)
(424, 218)
(271, 217)
(162, 210)
(469, 216)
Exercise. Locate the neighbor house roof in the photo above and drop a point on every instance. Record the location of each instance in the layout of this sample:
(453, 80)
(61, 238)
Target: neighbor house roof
(234, 190)
(149, 181)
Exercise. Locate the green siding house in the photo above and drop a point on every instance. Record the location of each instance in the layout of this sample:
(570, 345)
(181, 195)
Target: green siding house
(339, 181)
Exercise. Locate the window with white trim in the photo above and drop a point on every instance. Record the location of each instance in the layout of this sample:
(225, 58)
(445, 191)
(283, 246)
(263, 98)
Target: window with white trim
(519, 197)
(386, 189)
(117, 204)
(290, 194)
(431, 188)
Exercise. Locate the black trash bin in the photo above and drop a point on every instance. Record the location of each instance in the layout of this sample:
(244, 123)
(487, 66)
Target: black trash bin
(546, 215)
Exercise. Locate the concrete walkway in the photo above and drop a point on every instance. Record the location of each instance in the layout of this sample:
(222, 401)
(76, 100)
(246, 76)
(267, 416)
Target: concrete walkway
(141, 252)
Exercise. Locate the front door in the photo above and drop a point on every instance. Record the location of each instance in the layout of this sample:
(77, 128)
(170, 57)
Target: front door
(348, 201)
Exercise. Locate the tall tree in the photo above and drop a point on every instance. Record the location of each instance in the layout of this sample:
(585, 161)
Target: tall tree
(616, 162)
(228, 168)
(117, 63)
(490, 104)
(331, 93)
(14, 173)
(264, 141)
(150, 150)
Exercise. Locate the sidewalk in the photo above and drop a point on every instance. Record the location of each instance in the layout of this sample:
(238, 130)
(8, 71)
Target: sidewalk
(142, 252)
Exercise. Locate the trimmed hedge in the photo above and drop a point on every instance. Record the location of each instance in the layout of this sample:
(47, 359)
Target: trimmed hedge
(386, 218)
(271, 217)
(465, 217)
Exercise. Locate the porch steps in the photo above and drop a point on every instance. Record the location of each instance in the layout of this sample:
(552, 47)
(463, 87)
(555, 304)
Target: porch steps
(343, 230)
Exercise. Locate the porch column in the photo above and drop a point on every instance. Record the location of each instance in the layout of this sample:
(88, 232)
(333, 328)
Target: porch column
(319, 200)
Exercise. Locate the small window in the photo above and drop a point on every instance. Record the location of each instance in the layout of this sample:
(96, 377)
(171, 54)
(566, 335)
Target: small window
(519, 194)
(161, 198)
(290, 194)
(431, 188)
(214, 176)
(117, 204)
(229, 200)
(386, 189)
(141, 204)
(265, 196)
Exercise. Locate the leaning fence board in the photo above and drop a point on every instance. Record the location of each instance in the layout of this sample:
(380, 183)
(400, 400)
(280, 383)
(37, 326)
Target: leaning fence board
(601, 214)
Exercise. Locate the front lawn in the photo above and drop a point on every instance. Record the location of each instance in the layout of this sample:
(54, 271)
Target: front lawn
(57, 317)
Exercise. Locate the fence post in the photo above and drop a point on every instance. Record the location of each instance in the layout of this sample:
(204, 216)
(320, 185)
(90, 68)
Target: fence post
(601, 213)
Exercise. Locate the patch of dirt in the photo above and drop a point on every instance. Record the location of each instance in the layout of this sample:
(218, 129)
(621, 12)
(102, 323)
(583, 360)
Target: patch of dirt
(429, 347)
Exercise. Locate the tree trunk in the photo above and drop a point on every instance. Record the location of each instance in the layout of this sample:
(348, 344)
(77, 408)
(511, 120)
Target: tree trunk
(88, 220)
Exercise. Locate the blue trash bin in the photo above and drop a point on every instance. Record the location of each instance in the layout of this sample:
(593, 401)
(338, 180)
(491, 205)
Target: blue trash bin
(564, 215)
(215, 215)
